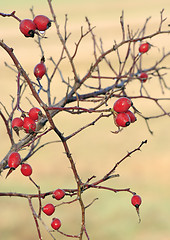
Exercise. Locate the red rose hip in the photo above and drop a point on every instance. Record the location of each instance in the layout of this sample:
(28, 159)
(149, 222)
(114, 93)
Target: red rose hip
(144, 47)
(40, 70)
(122, 104)
(56, 223)
(136, 200)
(42, 22)
(58, 194)
(48, 209)
(122, 120)
(27, 27)
(26, 169)
(143, 77)
(14, 160)
(131, 115)
(29, 125)
(35, 113)
(17, 124)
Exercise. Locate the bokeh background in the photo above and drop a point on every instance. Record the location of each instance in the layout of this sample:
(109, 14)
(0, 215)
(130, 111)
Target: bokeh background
(95, 150)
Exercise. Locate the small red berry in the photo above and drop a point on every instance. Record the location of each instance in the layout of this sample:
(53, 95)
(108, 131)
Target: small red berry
(26, 169)
(131, 115)
(14, 160)
(49, 209)
(136, 200)
(35, 113)
(17, 124)
(144, 47)
(58, 194)
(122, 104)
(42, 22)
(122, 119)
(143, 77)
(56, 223)
(29, 125)
(40, 70)
(27, 27)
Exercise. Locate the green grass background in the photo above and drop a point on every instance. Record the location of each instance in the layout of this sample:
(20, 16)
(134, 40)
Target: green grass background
(95, 150)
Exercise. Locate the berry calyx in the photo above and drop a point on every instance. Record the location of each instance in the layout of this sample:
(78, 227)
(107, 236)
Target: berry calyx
(29, 125)
(131, 115)
(136, 200)
(48, 209)
(143, 77)
(42, 22)
(144, 47)
(58, 194)
(122, 104)
(26, 169)
(14, 160)
(17, 124)
(56, 223)
(35, 113)
(40, 70)
(27, 27)
(122, 120)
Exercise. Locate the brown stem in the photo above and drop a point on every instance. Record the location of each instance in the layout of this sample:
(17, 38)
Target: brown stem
(39, 196)
(35, 219)
(108, 175)
(63, 41)
(10, 15)
(7, 128)
(68, 235)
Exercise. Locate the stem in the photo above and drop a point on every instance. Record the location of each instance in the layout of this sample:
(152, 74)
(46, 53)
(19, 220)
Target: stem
(35, 219)
(7, 128)
(10, 15)
(21, 70)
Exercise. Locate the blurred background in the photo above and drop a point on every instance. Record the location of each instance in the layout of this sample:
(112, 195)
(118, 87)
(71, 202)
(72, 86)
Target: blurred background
(96, 149)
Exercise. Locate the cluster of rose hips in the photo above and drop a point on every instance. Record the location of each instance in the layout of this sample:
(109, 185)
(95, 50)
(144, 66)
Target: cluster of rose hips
(28, 27)
(122, 115)
(143, 48)
(49, 208)
(14, 160)
(28, 123)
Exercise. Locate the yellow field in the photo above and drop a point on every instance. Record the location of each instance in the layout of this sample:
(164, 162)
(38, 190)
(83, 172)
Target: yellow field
(96, 149)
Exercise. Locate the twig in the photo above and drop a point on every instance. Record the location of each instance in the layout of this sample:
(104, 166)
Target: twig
(35, 219)
(7, 128)
(12, 14)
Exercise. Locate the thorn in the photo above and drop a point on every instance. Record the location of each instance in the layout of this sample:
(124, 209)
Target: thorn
(136, 110)
(10, 171)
